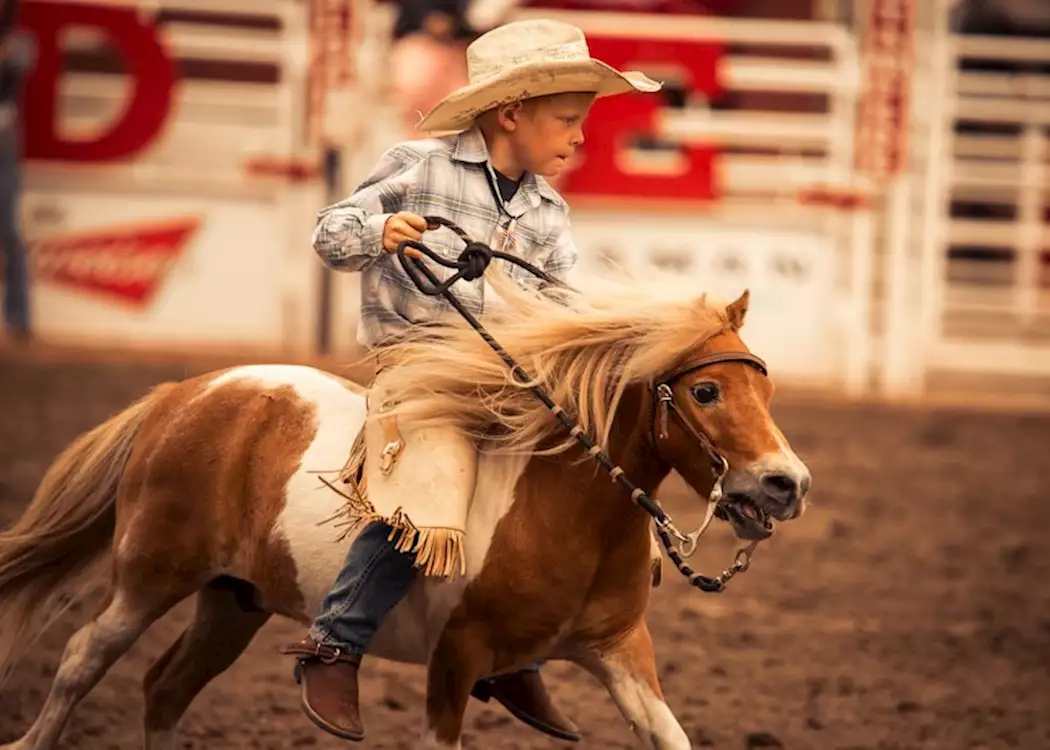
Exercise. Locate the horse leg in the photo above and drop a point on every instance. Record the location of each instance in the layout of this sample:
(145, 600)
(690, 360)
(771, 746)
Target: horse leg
(88, 656)
(628, 671)
(219, 633)
(456, 664)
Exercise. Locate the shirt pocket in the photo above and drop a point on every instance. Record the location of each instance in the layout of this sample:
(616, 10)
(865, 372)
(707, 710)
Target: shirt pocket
(529, 246)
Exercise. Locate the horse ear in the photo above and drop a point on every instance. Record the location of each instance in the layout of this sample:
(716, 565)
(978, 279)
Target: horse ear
(736, 311)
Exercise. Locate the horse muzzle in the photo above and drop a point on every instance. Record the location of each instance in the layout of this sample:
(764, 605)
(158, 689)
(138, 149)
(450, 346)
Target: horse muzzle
(754, 499)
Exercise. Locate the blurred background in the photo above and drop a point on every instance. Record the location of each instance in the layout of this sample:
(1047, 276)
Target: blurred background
(874, 171)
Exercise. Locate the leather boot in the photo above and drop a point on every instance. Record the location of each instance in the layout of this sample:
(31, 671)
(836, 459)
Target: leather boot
(525, 696)
(328, 687)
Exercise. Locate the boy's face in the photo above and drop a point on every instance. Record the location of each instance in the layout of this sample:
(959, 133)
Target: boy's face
(545, 132)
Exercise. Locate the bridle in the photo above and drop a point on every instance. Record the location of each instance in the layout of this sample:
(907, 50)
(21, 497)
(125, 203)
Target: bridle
(663, 404)
(471, 265)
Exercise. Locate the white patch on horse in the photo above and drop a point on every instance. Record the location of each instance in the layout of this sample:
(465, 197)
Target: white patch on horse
(493, 498)
(90, 652)
(785, 461)
(410, 630)
(798, 467)
(429, 741)
(340, 414)
(649, 717)
(306, 380)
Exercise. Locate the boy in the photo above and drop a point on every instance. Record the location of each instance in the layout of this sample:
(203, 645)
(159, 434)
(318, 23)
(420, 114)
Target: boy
(519, 120)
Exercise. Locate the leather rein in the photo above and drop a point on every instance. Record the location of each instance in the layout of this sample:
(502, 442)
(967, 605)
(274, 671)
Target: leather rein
(471, 265)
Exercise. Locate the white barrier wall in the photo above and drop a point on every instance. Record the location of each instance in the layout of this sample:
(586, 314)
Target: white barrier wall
(113, 268)
(792, 321)
(123, 268)
(783, 121)
(966, 295)
(987, 241)
(202, 238)
(192, 243)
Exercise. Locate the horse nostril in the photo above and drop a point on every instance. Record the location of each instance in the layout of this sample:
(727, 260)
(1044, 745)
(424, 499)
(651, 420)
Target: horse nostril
(780, 487)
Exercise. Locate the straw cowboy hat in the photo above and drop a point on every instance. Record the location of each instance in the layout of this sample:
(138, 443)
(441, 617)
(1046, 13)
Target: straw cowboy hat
(524, 59)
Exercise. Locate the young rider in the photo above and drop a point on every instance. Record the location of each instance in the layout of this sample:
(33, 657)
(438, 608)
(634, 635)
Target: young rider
(518, 121)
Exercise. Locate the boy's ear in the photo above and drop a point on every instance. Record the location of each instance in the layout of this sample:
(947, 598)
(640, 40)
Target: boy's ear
(508, 115)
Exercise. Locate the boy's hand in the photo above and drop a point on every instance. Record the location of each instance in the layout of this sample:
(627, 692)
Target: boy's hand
(403, 226)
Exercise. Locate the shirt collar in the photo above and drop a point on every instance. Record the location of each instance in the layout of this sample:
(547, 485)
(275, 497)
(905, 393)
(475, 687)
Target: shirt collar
(470, 148)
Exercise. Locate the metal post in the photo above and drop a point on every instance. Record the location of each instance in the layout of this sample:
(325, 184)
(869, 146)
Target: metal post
(939, 104)
(333, 182)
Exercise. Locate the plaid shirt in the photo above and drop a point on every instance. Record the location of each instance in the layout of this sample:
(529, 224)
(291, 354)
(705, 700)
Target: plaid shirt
(448, 177)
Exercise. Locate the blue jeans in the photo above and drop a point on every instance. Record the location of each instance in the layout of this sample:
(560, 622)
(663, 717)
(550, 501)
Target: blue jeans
(374, 578)
(16, 258)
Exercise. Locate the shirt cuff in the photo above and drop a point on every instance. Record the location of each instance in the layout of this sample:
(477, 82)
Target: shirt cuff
(372, 238)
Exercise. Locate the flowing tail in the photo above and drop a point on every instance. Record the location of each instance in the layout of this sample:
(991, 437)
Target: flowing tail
(56, 552)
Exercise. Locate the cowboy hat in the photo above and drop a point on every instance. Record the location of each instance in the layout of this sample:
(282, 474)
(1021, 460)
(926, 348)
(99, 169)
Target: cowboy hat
(524, 59)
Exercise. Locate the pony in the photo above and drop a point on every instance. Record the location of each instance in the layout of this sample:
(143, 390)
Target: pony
(215, 487)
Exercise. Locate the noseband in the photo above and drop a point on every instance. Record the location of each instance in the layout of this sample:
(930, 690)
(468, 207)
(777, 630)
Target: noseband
(470, 265)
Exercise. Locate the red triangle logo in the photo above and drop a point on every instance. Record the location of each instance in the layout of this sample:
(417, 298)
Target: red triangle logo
(127, 264)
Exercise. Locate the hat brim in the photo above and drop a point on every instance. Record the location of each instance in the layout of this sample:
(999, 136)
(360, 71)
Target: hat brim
(458, 110)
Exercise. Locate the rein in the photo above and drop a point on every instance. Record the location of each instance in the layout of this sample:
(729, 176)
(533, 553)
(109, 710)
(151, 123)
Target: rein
(471, 265)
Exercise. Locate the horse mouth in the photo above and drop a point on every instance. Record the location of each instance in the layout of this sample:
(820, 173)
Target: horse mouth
(749, 521)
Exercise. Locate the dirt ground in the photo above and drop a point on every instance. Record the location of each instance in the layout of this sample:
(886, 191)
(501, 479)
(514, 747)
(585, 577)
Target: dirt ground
(909, 608)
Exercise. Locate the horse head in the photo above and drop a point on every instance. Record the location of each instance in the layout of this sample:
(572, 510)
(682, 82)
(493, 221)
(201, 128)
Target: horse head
(711, 423)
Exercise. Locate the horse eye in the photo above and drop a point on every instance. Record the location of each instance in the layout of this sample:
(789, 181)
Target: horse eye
(706, 393)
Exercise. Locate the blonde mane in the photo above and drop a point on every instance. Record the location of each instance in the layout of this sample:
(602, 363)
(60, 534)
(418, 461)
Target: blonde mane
(585, 348)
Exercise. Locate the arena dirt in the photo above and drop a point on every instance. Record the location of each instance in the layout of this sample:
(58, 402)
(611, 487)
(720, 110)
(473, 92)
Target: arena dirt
(909, 608)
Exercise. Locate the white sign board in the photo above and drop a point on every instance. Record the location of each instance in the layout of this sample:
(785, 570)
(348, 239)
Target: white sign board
(790, 275)
(122, 268)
